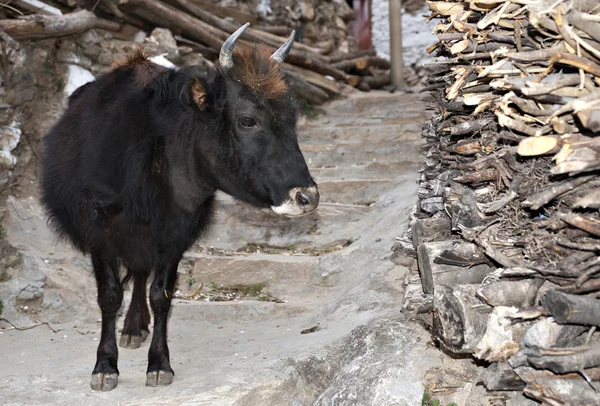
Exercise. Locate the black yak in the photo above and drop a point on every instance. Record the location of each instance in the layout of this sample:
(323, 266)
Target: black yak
(131, 168)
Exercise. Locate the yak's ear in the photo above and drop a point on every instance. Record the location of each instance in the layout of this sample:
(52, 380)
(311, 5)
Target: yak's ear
(195, 93)
(200, 93)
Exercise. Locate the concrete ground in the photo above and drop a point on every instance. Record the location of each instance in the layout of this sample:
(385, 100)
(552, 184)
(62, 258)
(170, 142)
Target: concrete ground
(330, 270)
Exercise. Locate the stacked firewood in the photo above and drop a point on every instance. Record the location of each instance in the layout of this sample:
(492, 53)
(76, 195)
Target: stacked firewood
(507, 229)
(316, 72)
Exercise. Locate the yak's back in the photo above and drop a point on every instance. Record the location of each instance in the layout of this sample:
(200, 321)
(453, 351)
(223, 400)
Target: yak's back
(97, 147)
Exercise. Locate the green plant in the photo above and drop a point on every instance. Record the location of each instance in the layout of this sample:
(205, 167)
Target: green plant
(426, 401)
(190, 282)
(310, 111)
(47, 67)
(252, 290)
(59, 83)
(1, 307)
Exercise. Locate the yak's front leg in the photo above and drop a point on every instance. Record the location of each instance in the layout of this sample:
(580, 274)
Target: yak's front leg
(161, 292)
(110, 295)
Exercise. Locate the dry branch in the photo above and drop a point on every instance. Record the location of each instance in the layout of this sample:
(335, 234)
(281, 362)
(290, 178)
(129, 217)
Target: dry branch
(43, 26)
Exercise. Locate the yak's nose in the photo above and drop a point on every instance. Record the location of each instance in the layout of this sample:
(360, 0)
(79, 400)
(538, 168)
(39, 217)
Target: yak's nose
(301, 200)
(307, 198)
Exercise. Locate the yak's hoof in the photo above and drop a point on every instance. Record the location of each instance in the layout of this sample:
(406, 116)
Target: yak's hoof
(156, 378)
(133, 341)
(104, 382)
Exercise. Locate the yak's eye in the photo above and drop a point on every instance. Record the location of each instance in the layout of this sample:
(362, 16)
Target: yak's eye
(247, 122)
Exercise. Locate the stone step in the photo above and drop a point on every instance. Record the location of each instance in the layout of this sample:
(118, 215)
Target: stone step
(376, 104)
(375, 170)
(353, 191)
(373, 133)
(238, 225)
(411, 121)
(286, 277)
(319, 155)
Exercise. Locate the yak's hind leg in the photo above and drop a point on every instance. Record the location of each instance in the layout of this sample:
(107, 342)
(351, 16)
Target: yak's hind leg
(135, 328)
(110, 295)
(161, 292)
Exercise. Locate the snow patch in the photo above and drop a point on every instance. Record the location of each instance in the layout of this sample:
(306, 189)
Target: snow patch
(77, 77)
(162, 61)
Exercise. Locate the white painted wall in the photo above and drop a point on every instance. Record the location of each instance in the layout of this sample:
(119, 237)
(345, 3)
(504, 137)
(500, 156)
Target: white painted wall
(416, 34)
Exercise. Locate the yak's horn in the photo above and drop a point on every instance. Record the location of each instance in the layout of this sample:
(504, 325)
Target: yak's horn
(225, 56)
(279, 55)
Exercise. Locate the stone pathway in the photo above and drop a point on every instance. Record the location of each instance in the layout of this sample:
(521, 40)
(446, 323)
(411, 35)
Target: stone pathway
(330, 269)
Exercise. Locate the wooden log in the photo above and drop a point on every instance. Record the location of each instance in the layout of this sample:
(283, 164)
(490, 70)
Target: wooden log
(304, 90)
(563, 360)
(540, 199)
(459, 318)
(357, 64)
(250, 34)
(505, 292)
(551, 389)
(432, 205)
(313, 78)
(280, 30)
(572, 309)
(546, 333)
(43, 26)
(435, 272)
(501, 377)
(207, 52)
(478, 176)
(190, 26)
(37, 7)
(315, 64)
(534, 146)
(239, 16)
(590, 200)
(377, 81)
(589, 225)
(436, 228)
(352, 55)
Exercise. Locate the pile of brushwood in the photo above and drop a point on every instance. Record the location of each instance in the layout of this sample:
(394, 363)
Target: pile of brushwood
(316, 72)
(507, 228)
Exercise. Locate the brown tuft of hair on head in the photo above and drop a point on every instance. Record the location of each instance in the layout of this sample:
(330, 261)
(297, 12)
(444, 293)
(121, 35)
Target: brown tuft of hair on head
(144, 69)
(256, 69)
(138, 56)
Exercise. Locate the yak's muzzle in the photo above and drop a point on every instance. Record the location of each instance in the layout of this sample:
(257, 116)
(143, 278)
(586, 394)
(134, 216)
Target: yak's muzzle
(302, 200)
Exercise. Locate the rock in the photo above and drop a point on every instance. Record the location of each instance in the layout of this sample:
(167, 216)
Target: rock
(105, 57)
(70, 57)
(164, 38)
(307, 11)
(19, 95)
(374, 365)
(93, 52)
(52, 300)
(31, 281)
(140, 37)
(88, 38)
(10, 136)
(39, 56)
(10, 261)
(192, 59)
